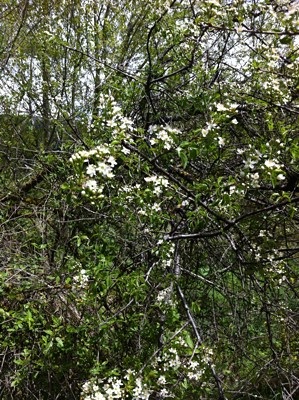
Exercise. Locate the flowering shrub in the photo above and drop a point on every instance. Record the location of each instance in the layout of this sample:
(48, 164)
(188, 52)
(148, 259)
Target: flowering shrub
(149, 199)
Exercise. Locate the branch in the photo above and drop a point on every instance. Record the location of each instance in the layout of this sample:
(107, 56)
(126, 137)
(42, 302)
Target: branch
(175, 180)
(26, 187)
(251, 31)
(14, 39)
(198, 235)
(272, 207)
(207, 234)
(116, 69)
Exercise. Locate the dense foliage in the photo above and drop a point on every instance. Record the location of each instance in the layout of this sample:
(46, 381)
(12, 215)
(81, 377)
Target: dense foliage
(149, 196)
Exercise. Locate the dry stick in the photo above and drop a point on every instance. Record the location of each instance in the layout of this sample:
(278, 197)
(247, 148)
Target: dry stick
(116, 314)
(160, 348)
(200, 341)
(177, 273)
(3, 359)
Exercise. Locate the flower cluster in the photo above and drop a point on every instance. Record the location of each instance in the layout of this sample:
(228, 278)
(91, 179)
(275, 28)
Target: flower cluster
(159, 183)
(81, 279)
(113, 389)
(261, 164)
(163, 135)
(195, 372)
(111, 117)
(210, 126)
(171, 359)
(98, 160)
(172, 362)
(273, 164)
(140, 391)
(95, 163)
(228, 107)
(164, 296)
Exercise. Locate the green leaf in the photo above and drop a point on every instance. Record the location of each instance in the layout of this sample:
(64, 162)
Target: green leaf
(59, 342)
(286, 39)
(184, 159)
(189, 341)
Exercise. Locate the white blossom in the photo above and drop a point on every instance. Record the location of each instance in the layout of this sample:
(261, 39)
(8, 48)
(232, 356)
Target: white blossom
(221, 107)
(221, 141)
(280, 177)
(125, 150)
(161, 380)
(164, 296)
(91, 184)
(111, 160)
(156, 207)
(91, 170)
(105, 169)
(270, 163)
